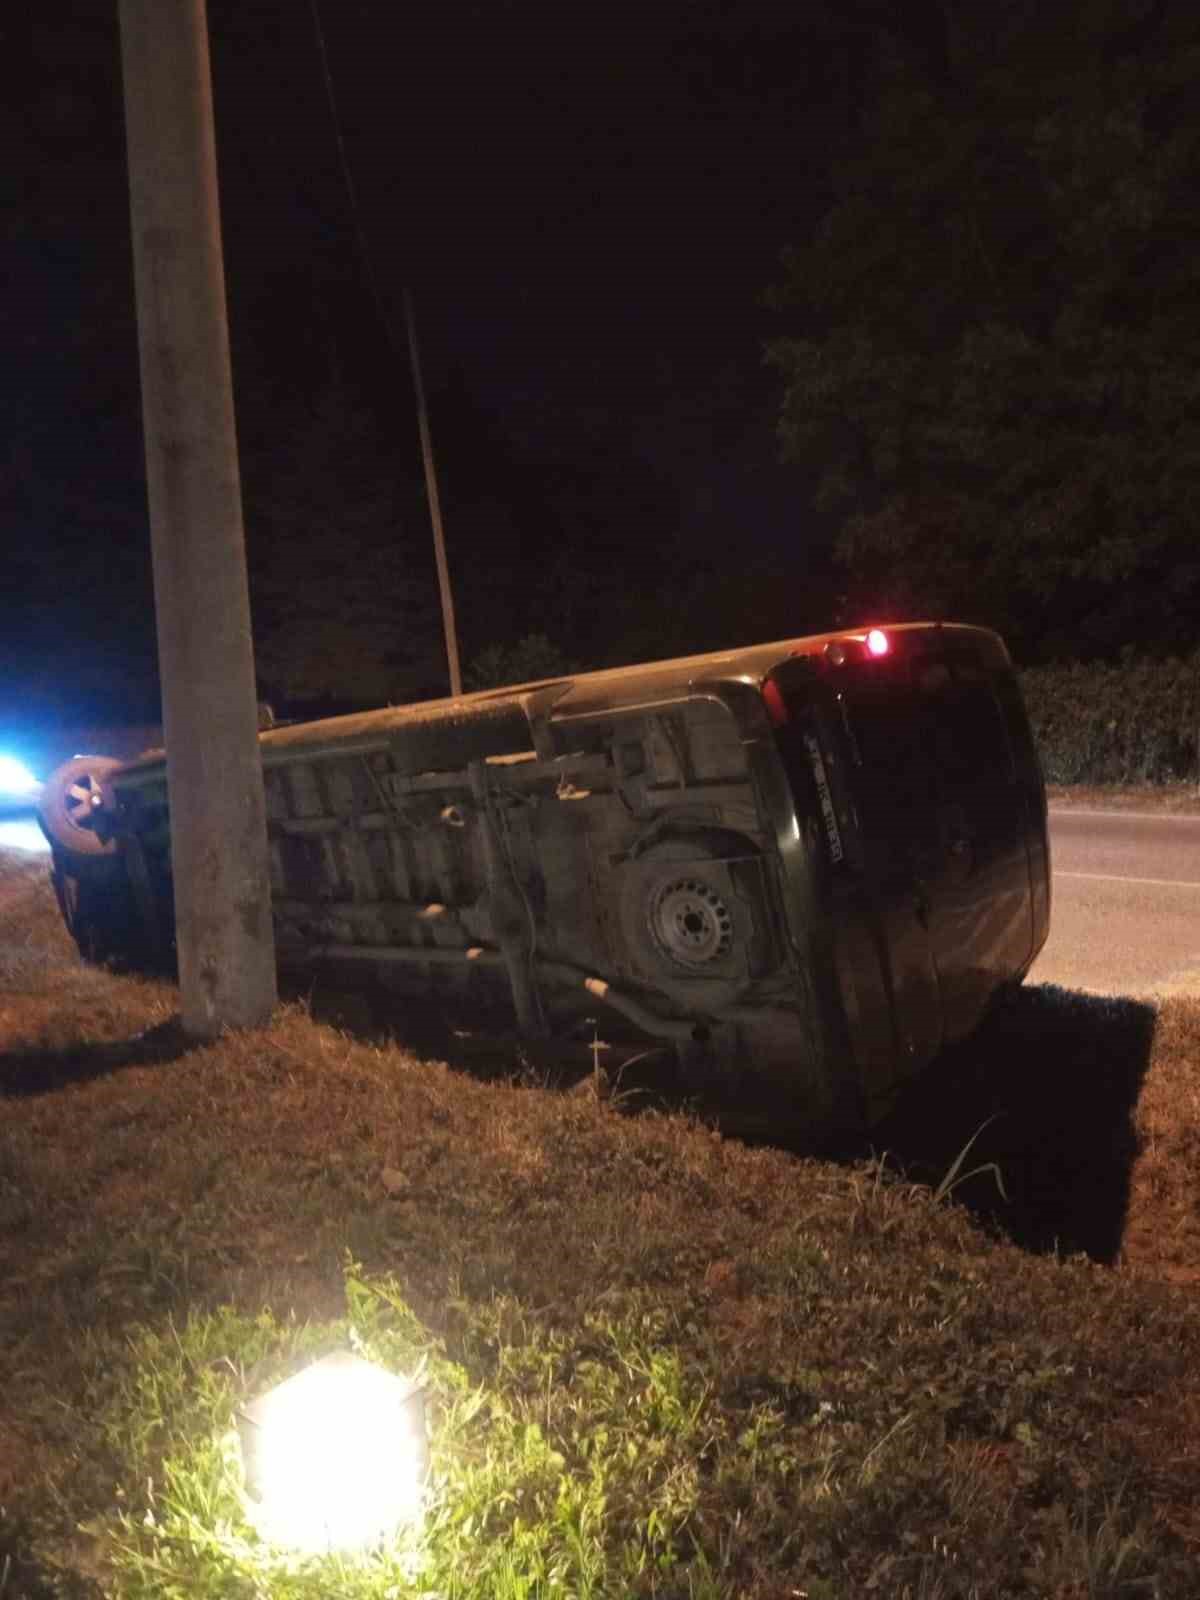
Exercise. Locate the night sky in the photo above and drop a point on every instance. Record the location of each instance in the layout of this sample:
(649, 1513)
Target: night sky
(588, 203)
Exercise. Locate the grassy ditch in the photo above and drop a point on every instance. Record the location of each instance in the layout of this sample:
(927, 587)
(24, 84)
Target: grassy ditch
(659, 1362)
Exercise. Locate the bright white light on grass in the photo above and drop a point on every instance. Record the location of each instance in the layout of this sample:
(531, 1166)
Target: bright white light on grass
(336, 1457)
(16, 780)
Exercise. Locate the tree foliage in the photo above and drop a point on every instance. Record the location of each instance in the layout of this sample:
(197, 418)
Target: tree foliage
(991, 365)
(529, 659)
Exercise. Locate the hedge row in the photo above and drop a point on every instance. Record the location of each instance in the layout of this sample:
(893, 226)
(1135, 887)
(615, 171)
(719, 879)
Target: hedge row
(1136, 722)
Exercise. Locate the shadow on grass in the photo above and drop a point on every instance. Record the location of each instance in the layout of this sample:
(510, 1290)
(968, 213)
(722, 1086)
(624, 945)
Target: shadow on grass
(1054, 1074)
(29, 1072)
(20, 1578)
(23, 1577)
(1058, 1072)
(485, 1043)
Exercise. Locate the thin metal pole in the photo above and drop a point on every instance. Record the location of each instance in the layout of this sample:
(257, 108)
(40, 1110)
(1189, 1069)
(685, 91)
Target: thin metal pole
(435, 506)
(223, 927)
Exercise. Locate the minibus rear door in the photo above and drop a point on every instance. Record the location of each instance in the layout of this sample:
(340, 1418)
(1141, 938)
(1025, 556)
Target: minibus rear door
(853, 745)
(978, 876)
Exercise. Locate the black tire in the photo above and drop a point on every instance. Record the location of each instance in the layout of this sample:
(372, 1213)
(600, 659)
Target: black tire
(75, 804)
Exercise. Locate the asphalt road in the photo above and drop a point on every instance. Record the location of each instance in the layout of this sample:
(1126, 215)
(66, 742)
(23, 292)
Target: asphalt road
(1126, 908)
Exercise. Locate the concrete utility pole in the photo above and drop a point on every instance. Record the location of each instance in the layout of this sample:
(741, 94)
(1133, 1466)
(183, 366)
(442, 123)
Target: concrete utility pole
(223, 924)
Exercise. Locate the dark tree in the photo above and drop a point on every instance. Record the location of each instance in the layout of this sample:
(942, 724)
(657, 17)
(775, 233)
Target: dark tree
(991, 370)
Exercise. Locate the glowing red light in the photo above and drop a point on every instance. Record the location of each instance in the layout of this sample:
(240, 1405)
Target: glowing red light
(774, 702)
(878, 643)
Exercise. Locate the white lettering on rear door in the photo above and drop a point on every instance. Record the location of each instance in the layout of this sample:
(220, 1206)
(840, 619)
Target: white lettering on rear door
(828, 816)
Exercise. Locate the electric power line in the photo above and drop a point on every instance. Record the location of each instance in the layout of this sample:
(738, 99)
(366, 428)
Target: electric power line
(431, 484)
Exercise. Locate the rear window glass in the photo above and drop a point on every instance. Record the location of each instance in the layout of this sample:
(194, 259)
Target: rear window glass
(889, 742)
(970, 740)
(919, 731)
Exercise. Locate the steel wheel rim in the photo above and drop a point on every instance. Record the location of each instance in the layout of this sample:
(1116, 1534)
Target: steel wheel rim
(691, 923)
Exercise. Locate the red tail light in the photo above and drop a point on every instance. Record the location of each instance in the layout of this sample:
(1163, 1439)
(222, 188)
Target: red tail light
(774, 702)
(878, 643)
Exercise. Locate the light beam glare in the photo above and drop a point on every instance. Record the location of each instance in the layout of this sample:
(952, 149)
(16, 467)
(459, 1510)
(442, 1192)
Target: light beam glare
(16, 780)
(21, 833)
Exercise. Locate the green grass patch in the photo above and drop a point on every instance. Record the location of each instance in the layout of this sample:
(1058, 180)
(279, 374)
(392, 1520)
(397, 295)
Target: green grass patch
(615, 1457)
(538, 1485)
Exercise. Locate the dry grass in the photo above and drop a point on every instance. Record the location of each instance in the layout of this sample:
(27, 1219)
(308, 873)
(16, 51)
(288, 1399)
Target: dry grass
(1162, 1233)
(903, 1396)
